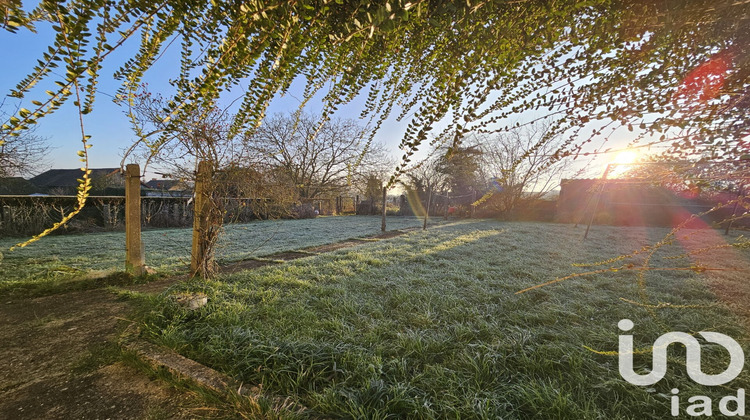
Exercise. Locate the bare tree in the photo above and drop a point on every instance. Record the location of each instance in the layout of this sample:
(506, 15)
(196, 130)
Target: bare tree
(23, 154)
(320, 156)
(424, 181)
(229, 184)
(520, 165)
(204, 136)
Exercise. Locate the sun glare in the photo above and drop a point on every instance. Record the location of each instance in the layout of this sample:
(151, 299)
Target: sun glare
(622, 162)
(626, 157)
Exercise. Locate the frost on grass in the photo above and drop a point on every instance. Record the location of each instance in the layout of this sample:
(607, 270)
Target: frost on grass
(428, 325)
(168, 250)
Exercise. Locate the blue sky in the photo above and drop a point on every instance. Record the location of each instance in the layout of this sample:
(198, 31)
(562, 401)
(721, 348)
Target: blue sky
(108, 125)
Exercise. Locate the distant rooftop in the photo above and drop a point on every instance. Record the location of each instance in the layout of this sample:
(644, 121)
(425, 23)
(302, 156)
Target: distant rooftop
(68, 177)
(166, 185)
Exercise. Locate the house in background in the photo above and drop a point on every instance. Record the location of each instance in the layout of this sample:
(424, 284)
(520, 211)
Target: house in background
(104, 181)
(633, 202)
(166, 188)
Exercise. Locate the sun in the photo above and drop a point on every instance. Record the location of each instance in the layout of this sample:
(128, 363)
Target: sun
(621, 163)
(626, 157)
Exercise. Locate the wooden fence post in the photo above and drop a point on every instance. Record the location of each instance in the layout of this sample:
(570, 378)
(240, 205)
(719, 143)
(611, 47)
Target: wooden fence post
(200, 218)
(134, 256)
(382, 222)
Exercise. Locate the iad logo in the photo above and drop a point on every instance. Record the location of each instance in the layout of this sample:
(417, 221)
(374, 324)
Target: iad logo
(701, 404)
(693, 362)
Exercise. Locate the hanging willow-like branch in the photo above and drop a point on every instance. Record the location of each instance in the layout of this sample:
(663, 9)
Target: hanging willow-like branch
(668, 68)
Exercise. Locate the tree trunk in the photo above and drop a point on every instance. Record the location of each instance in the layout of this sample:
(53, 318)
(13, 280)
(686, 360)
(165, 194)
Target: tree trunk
(201, 260)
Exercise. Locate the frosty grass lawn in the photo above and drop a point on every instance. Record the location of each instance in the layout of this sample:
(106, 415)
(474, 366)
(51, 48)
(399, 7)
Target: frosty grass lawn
(57, 258)
(428, 325)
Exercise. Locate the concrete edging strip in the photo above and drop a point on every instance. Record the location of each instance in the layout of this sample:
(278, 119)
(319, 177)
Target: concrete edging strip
(184, 368)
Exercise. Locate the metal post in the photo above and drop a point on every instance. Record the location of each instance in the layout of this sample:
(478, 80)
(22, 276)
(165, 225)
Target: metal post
(598, 198)
(740, 196)
(427, 210)
(382, 222)
(447, 205)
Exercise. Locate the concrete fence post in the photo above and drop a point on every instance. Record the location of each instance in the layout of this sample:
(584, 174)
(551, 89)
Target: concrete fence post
(135, 262)
(7, 214)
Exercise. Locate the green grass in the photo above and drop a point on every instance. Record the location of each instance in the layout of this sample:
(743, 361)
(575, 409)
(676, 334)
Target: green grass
(428, 325)
(56, 259)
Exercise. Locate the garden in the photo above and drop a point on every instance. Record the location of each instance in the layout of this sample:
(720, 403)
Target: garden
(431, 324)
(499, 120)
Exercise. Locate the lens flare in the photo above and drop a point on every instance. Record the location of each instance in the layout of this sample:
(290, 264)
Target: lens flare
(415, 203)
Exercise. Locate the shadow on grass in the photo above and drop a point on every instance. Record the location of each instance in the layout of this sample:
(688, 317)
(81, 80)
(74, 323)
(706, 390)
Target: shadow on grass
(54, 287)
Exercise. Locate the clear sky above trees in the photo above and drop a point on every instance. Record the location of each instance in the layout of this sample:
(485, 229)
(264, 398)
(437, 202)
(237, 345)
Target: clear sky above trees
(109, 126)
(677, 69)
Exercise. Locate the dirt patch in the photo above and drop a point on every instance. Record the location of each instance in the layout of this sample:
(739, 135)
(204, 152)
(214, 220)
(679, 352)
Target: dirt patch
(61, 362)
(305, 252)
(257, 263)
(287, 256)
(356, 241)
(392, 233)
(333, 247)
(112, 392)
(243, 265)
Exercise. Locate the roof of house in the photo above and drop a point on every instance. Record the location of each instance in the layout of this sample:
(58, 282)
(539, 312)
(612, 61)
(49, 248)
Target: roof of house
(166, 184)
(16, 186)
(68, 177)
(608, 180)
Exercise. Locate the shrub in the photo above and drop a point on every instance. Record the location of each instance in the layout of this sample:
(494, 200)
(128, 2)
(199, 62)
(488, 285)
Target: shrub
(304, 211)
